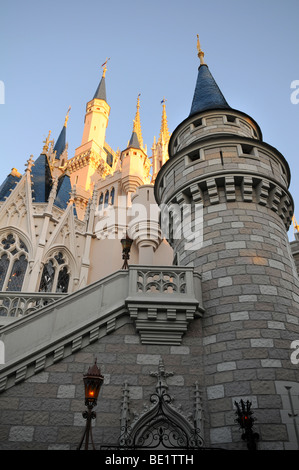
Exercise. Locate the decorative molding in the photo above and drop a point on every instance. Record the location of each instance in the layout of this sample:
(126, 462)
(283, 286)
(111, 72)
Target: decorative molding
(253, 189)
(162, 302)
(161, 425)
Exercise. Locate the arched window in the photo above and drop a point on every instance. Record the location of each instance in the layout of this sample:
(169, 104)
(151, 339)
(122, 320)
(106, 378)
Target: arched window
(112, 193)
(106, 202)
(47, 279)
(13, 262)
(101, 201)
(55, 275)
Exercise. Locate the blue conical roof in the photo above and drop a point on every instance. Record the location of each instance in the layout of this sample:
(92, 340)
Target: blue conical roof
(8, 184)
(63, 191)
(41, 178)
(60, 143)
(100, 93)
(207, 94)
(134, 142)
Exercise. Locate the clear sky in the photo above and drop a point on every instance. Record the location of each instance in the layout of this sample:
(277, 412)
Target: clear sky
(51, 54)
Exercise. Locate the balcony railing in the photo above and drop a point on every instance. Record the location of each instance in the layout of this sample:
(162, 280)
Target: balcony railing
(18, 304)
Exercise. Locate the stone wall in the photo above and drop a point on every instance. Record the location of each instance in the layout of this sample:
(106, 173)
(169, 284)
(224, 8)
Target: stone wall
(45, 411)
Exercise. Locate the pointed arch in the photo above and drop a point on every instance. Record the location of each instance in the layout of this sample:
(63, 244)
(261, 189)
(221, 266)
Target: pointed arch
(101, 201)
(106, 201)
(162, 427)
(59, 271)
(112, 195)
(14, 254)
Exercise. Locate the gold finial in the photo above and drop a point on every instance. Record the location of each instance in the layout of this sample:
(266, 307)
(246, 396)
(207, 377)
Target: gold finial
(67, 117)
(200, 53)
(46, 142)
(104, 65)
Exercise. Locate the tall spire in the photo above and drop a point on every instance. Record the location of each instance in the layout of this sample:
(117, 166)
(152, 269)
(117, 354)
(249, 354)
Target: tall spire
(136, 140)
(164, 132)
(61, 141)
(100, 93)
(207, 94)
(137, 123)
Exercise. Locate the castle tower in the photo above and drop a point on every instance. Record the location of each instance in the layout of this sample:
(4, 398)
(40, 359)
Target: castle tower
(135, 162)
(225, 194)
(90, 161)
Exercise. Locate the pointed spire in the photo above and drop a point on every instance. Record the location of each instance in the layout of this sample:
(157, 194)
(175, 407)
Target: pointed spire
(47, 141)
(61, 141)
(164, 132)
(137, 123)
(207, 94)
(100, 93)
(134, 141)
(200, 53)
(41, 177)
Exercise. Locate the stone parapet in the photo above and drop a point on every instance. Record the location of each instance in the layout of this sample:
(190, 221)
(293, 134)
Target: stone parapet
(45, 336)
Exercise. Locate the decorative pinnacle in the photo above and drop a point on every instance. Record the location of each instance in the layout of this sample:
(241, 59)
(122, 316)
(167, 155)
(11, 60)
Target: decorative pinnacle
(104, 65)
(200, 53)
(164, 132)
(46, 142)
(137, 123)
(67, 117)
(29, 164)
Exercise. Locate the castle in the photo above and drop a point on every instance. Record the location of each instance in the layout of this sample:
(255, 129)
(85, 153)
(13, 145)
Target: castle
(173, 271)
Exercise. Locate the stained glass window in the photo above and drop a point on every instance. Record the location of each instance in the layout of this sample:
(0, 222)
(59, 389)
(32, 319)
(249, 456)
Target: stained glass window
(63, 280)
(4, 263)
(17, 274)
(112, 195)
(55, 276)
(47, 279)
(8, 242)
(106, 199)
(13, 262)
(101, 201)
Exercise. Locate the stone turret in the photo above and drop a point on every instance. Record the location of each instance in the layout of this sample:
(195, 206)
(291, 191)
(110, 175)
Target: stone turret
(224, 194)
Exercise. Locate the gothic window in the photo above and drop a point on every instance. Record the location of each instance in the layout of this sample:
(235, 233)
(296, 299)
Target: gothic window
(63, 280)
(106, 199)
(101, 201)
(17, 274)
(4, 262)
(55, 275)
(13, 262)
(47, 279)
(112, 193)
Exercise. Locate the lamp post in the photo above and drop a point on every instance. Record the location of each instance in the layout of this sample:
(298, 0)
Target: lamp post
(245, 420)
(92, 383)
(126, 244)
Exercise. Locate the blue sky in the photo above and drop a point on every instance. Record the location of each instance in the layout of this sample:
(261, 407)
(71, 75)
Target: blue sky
(51, 54)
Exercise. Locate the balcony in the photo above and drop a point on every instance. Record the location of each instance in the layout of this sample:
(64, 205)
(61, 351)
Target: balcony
(39, 329)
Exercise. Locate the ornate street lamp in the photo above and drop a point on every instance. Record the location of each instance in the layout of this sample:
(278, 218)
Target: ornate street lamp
(126, 244)
(92, 383)
(245, 420)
